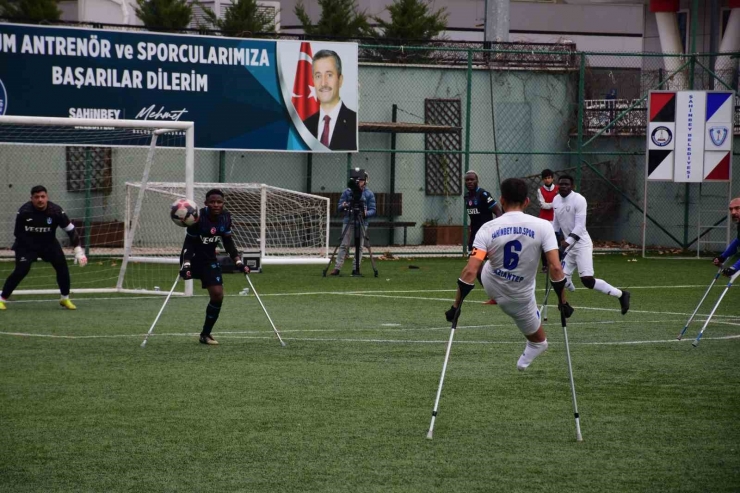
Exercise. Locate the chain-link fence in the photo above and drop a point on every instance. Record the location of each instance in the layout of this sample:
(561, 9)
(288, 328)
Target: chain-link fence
(428, 114)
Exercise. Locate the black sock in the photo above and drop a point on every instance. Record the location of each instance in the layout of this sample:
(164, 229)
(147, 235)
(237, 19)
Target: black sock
(212, 311)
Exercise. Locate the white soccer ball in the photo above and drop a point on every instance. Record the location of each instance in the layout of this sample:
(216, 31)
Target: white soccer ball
(184, 212)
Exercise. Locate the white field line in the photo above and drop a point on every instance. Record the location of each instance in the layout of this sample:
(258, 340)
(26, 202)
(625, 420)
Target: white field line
(335, 293)
(237, 335)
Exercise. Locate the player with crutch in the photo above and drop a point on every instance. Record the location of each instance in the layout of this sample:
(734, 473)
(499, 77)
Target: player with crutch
(731, 272)
(512, 243)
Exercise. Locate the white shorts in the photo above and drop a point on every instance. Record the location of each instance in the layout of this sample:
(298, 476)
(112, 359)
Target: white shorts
(524, 311)
(581, 258)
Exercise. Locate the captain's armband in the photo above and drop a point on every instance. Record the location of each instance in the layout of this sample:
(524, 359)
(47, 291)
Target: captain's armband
(479, 254)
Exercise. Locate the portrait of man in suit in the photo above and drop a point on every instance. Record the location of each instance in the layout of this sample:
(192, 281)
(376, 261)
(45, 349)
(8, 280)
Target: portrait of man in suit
(334, 125)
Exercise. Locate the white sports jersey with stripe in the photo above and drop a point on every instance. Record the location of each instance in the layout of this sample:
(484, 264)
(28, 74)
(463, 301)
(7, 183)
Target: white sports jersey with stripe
(514, 242)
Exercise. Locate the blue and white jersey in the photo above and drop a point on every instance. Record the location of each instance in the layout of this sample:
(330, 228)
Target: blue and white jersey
(513, 243)
(204, 235)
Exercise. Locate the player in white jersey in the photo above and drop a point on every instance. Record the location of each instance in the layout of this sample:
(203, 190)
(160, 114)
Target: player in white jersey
(570, 221)
(513, 243)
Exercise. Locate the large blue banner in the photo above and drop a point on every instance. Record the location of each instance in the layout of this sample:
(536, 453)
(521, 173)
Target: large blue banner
(242, 94)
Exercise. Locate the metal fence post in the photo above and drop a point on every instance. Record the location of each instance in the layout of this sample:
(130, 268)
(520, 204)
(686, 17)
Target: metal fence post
(581, 102)
(468, 105)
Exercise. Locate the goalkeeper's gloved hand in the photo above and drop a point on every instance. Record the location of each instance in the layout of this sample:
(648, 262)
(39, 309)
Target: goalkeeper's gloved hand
(450, 314)
(566, 309)
(718, 261)
(729, 272)
(241, 267)
(80, 257)
(185, 271)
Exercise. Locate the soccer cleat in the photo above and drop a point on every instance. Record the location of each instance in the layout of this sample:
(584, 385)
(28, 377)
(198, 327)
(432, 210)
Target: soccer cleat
(67, 303)
(208, 340)
(2, 305)
(624, 301)
(335, 272)
(490, 302)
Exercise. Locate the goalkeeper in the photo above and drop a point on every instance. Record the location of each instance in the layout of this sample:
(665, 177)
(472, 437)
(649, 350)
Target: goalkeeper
(198, 257)
(733, 247)
(35, 237)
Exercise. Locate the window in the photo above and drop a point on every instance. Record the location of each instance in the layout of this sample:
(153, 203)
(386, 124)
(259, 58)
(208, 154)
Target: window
(89, 163)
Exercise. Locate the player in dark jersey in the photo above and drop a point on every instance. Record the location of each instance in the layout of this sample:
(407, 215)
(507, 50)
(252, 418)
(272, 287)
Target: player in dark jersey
(734, 246)
(198, 258)
(35, 237)
(481, 206)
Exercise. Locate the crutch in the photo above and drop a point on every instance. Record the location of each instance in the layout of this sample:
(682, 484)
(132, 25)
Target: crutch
(548, 288)
(729, 285)
(282, 343)
(543, 308)
(464, 290)
(579, 437)
(143, 344)
(716, 276)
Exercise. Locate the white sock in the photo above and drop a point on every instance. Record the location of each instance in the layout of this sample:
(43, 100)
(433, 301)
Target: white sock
(606, 288)
(65, 297)
(531, 351)
(569, 284)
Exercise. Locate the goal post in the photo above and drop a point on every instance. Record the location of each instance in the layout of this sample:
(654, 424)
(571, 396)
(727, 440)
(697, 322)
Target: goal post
(84, 164)
(286, 227)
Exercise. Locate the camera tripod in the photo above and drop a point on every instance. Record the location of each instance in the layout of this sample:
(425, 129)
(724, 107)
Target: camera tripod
(360, 232)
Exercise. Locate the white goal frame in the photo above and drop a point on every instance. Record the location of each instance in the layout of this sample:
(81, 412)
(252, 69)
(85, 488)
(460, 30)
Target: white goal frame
(157, 128)
(265, 258)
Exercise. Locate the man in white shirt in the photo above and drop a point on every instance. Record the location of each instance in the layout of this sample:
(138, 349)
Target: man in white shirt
(570, 220)
(512, 243)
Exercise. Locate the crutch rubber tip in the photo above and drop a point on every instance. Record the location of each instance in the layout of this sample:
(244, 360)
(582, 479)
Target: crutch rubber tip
(143, 344)
(579, 438)
(694, 343)
(429, 435)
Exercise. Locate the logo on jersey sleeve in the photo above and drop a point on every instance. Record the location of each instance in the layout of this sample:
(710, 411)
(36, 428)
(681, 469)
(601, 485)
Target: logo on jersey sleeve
(48, 220)
(213, 231)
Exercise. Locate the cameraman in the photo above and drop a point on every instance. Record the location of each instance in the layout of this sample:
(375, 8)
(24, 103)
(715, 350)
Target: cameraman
(360, 201)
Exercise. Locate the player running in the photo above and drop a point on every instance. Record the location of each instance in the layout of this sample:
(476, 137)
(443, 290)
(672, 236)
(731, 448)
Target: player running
(198, 258)
(35, 237)
(512, 243)
(570, 221)
(734, 246)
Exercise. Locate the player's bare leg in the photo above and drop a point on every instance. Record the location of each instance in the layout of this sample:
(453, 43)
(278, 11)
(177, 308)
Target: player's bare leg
(604, 287)
(213, 309)
(536, 345)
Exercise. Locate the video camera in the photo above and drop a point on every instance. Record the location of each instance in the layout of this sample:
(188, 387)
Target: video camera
(353, 184)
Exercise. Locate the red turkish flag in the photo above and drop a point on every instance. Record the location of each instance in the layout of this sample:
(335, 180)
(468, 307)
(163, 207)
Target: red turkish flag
(304, 93)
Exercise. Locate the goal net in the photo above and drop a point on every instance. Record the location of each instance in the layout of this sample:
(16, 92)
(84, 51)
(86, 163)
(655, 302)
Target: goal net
(284, 226)
(85, 165)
